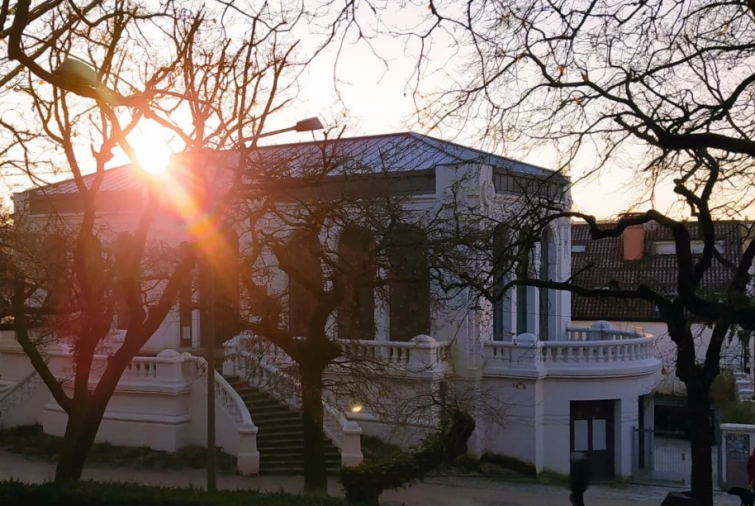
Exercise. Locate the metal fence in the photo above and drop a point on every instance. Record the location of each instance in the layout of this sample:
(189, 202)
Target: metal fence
(661, 457)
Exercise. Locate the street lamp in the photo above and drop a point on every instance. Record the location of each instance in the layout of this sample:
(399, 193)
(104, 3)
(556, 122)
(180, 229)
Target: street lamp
(305, 125)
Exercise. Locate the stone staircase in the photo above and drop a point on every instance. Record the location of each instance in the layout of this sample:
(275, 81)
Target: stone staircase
(280, 439)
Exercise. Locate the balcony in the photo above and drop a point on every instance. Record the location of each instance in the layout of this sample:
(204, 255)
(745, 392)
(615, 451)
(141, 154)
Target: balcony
(589, 353)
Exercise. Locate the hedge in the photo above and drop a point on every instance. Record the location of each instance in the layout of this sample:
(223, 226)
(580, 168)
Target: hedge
(31, 441)
(87, 493)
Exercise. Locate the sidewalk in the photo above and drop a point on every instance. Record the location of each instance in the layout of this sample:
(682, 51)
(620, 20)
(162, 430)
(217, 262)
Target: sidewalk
(436, 491)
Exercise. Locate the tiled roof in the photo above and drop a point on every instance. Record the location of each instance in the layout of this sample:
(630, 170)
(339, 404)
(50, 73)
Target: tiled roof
(657, 271)
(394, 152)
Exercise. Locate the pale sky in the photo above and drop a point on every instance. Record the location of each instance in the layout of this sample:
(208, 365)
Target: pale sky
(378, 100)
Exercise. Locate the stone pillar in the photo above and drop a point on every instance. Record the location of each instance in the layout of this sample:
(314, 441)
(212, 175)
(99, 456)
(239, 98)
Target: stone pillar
(351, 453)
(248, 458)
(169, 370)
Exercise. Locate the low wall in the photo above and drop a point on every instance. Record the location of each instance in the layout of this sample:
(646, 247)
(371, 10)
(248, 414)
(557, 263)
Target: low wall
(536, 381)
(161, 403)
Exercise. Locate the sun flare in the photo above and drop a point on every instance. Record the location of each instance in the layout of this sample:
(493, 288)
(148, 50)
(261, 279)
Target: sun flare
(152, 145)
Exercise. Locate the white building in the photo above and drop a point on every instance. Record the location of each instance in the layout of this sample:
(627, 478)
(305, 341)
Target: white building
(560, 388)
(646, 254)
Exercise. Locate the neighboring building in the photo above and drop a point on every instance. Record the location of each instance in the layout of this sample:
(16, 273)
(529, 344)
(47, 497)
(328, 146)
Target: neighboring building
(559, 389)
(646, 254)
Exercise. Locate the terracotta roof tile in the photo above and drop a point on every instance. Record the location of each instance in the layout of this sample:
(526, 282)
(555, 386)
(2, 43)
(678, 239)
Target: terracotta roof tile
(602, 265)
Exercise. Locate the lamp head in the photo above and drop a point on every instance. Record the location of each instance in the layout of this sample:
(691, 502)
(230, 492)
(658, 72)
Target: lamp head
(308, 125)
(77, 71)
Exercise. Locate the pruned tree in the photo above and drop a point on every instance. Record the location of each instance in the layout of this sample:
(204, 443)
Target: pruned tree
(73, 298)
(337, 234)
(163, 65)
(661, 87)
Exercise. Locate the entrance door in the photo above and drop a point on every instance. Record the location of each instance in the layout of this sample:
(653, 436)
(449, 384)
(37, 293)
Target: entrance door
(592, 433)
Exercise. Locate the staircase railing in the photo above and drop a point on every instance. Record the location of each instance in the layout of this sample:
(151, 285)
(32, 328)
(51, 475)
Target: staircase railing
(345, 434)
(20, 393)
(230, 402)
(225, 396)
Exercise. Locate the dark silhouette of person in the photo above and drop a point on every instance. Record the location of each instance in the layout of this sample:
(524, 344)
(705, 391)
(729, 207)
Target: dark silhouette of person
(579, 478)
(751, 470)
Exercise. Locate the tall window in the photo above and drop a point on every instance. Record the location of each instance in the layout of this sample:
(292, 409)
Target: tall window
(120, 247)
(522, 309)
(409, 285)
(502, 306)
(57, 271)
(356, 315)
(93, 262)
(227, 288)
(547, 261)
(219, 290)
(304, 248)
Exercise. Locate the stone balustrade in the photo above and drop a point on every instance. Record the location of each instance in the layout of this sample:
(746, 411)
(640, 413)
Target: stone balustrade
(421, 355)
(526, 354)
(603, 331)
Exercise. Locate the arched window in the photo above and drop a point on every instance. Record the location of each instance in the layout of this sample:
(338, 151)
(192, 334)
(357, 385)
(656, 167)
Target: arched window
(502, 306)
(525, 297)
(120, 247)
(409, 284)
(219, 289)
(57, 271)
(356, 315)
(94, 264)
(227, 313)
(303, 247)
(547, 296)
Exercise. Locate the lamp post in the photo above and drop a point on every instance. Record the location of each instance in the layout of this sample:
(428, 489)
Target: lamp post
(306, 125)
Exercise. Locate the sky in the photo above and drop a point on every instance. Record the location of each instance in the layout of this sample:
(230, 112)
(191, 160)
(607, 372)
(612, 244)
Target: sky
(376, 93)
(379, 100)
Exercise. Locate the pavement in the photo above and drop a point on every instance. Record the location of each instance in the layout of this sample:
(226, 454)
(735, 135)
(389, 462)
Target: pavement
(440, 491)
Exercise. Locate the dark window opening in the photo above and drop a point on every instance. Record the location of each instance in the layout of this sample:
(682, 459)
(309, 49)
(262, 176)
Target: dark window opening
(303, 248)
(356, 315)
(500, 241)
(409, 285)
(219, 291)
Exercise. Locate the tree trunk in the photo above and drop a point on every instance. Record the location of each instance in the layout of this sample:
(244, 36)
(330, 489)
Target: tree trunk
(77, 441)
(315, 472)
(698, 402)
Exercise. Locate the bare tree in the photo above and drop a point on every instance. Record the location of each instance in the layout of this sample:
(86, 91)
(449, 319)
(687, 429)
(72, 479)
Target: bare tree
(337, 232)
(661, 87)
(225, 85)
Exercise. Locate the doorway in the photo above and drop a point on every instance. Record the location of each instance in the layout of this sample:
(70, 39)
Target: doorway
(592, 433)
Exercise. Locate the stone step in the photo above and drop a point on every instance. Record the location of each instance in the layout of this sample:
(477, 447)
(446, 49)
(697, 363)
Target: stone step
(262, 403)
(280, 439)
(277, 423)
(268, 418)
(289, 470)
(294, 447)
(289, 455)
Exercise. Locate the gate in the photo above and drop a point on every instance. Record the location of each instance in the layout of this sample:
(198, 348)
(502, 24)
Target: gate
(661, 457)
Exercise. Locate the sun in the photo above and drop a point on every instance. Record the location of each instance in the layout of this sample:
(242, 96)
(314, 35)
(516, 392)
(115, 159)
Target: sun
(152, 146)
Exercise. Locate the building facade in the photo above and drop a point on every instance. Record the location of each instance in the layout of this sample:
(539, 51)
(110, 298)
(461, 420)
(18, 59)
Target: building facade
(540, 386)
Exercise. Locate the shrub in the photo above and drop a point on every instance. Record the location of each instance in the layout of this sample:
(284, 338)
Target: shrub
(14, 493)
(723, 393)
(31, 441)
(364, 483)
